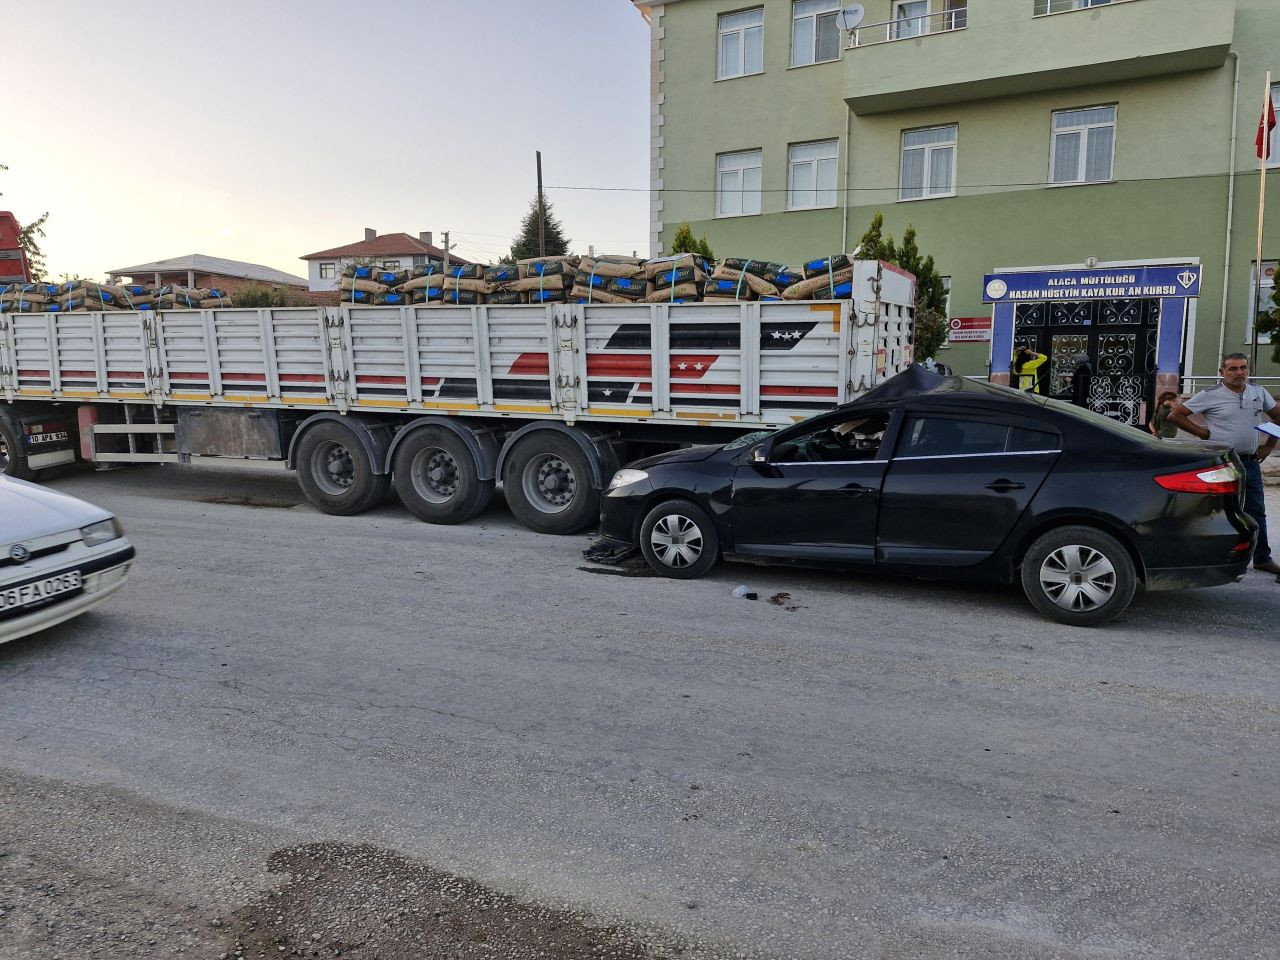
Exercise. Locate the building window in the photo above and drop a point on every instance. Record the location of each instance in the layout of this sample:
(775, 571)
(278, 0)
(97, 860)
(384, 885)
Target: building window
(738, 184)
(1062, 6)
(1083, 145)
(390, 264)
(741, 39)
(1268, 287)
(1273, 158)
(815, 35)
(910, 18)
(328, 271)
(811, 174)
(928, 163)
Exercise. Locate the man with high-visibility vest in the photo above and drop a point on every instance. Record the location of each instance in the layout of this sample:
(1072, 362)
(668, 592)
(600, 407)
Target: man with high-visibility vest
(1026, 364)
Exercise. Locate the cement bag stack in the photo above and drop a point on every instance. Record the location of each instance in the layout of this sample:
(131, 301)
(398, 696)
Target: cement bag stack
(609, 280)
(676, 279)
(829, 278)
(28, 297)
(544, 279)
(86, 295)
(359, 286)
(498, 276)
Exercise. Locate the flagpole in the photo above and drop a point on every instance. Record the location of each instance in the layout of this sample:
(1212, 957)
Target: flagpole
(1262, 203)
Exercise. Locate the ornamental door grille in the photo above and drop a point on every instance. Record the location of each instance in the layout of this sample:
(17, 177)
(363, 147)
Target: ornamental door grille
(1119, 337)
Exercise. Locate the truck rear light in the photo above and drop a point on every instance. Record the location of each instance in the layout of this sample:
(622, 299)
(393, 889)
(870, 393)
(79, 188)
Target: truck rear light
(1223, 479)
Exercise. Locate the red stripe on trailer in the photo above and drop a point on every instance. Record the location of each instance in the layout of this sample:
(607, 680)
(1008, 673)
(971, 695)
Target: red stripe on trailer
(187, 375)
(679, 389)
(35, 374)
(245, 377)
(432, 381)
(124, 374)
(618, 365)
(798, 392)
(302, 378)
(691, 366)
(531, 363)
(369, 378)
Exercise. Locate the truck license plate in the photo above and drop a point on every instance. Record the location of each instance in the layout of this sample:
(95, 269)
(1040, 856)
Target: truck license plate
(31, 594)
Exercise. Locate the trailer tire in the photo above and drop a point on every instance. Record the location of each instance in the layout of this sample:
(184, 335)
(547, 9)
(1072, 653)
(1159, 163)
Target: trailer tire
(13, 459)
(336, 473)
(437, 477)
(547, 480)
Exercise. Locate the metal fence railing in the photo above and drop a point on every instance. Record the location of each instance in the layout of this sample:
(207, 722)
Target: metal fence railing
(905, 28)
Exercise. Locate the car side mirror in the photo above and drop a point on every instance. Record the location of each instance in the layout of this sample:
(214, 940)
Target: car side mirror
(760, 452)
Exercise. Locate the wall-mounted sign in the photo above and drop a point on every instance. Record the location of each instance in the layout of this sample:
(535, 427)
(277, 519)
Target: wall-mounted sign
(969, 329)
(1123, 283)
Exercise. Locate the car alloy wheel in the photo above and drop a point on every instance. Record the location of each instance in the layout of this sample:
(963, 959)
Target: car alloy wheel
(1078, 578)
(677, 541)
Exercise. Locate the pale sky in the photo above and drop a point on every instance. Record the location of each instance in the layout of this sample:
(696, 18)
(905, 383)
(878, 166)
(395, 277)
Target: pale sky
(261, 130)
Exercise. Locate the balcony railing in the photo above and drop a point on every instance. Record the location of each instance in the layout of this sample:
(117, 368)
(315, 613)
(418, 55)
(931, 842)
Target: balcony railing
(906, 28)
(1043, 8)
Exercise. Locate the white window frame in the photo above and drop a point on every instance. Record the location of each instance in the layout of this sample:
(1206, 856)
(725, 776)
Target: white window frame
(813, 162)
(726, 168)
(742, 66)
(920, 22)
(834, 11)
(1267, 286)
(1083, 130)
(390, 264)
(953, 145)
(329, 271)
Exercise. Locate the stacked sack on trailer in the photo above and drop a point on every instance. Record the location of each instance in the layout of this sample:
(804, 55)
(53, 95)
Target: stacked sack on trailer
(681, 278)
(77, 296)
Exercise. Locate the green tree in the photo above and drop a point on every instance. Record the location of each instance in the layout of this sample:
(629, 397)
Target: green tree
(684, 242)
(29, 238)
(931, 294)
(525, 245)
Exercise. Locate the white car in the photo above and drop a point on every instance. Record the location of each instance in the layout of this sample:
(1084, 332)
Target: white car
(59, 557)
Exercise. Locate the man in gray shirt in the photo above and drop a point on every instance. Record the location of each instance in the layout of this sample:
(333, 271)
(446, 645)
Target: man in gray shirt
(1232, 410)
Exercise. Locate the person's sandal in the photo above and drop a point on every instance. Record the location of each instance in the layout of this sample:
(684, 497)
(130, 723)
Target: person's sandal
(1268, 566)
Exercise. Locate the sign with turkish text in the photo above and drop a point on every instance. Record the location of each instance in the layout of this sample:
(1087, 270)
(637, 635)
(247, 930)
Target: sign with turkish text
(1121, 283)
(969, 329)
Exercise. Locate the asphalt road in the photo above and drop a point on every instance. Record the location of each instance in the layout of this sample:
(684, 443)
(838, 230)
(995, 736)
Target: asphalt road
(872, 768)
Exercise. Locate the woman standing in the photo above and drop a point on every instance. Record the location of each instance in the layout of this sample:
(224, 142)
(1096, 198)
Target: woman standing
(1026, 364)
(1160, 425)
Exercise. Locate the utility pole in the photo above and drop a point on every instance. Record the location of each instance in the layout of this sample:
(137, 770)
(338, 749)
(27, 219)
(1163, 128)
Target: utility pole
(445, 269)
(542, 213)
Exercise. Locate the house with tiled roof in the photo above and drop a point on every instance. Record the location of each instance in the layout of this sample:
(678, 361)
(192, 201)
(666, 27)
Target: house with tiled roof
(391, 251)
(201, 270)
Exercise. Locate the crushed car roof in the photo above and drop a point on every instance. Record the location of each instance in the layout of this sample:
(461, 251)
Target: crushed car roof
(916, 381)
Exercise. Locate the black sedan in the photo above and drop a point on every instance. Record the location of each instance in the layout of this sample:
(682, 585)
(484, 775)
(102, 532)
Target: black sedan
(941, 477)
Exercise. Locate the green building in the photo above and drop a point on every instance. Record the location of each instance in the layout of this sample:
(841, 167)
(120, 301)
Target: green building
(1011, 134)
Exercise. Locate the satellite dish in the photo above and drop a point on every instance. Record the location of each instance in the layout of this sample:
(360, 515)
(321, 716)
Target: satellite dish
(851, 16)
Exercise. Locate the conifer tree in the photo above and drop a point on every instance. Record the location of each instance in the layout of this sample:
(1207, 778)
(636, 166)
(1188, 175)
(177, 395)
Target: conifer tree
(525, 245)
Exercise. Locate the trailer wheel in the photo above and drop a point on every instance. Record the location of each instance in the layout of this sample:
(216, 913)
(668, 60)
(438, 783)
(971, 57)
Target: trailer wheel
(13, 460)
(437, 478)
(547, 482)
(335, 472)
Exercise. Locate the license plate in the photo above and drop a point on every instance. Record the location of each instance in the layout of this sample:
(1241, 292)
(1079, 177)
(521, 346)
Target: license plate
(41, 591)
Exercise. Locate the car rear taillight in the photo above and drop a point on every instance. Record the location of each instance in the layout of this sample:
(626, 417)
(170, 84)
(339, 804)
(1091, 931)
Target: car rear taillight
(1223, 479)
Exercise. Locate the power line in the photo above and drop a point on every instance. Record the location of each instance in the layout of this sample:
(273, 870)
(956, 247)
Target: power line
(894, 187)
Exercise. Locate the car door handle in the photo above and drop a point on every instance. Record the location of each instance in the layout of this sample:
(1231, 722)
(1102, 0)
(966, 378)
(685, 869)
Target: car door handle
(1004, 486)
(856, 490)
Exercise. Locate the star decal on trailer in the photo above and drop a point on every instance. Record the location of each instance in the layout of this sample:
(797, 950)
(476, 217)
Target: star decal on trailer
(696, 366)
(683, 366)
(608, 393)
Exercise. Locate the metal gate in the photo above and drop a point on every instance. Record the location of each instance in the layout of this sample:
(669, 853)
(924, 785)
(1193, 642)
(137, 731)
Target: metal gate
(1120, 338)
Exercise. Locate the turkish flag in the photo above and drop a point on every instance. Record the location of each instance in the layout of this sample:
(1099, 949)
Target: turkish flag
(1265, 125)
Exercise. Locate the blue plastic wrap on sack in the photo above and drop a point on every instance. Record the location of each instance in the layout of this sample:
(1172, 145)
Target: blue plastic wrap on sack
(359, 296)
(395, 298)
(138, 290)
(771, 299)
(624, 283)
(53, 308)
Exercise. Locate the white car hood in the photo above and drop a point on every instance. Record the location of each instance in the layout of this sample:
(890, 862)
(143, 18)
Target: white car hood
(28, 510)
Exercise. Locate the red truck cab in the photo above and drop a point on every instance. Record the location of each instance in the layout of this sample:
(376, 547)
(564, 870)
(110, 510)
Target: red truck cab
(13, 262)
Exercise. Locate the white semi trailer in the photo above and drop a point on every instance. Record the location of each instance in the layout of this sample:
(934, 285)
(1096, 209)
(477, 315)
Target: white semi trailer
(441, 401)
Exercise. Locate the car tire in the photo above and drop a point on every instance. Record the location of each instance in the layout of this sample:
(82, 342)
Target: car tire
(437, 478)
(336, 473)
(1079, 576)
(548, 483)
(679, 539)
(13, 460)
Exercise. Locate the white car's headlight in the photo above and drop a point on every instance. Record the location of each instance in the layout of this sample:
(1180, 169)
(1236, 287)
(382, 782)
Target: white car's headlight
(626, 477)
(104, 531)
